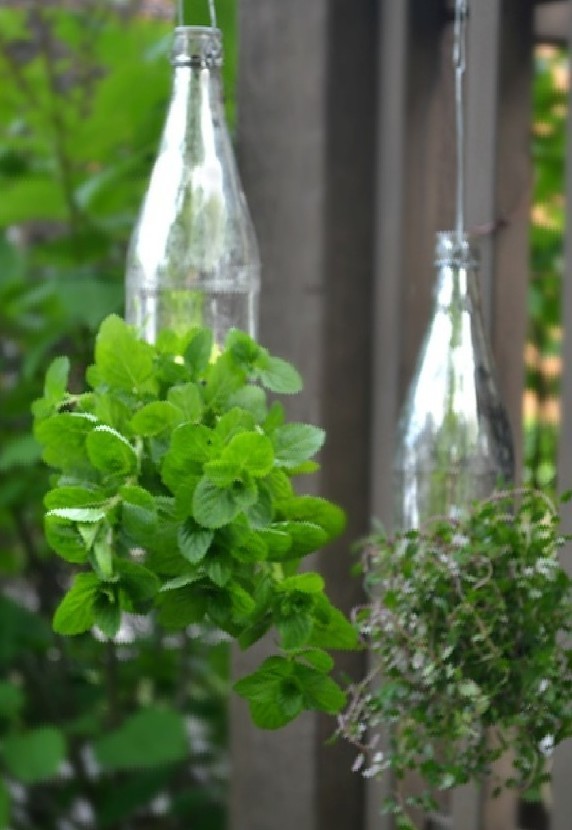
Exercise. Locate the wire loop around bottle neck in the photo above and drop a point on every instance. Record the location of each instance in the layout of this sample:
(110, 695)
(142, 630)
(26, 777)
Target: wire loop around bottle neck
(181, 13)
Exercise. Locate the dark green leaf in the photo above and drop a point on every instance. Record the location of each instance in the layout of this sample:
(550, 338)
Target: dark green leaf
(110, 452)
(74, 614)
(136, 745)
(194, 541)
(34, 756)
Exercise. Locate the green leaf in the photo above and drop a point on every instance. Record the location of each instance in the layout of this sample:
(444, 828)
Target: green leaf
(35, 755)
(278, 543)
(183, 606)
(4, 806)
(74, 614)
(332, 630)
(102, 552)
(199, 351)
(307, 583)
(318, 511)
(107, 614)
(72, 496)
(122, 360)
(150, 738)
(223, 380)
(11, 700)
(279, 376)
(250, 451)
(295, 443)
(154, 418)
(193, 443)
(318, 659)
(56, 382)
(320, 692)
(139, 513)
(253, 400)
(63, 438)
(219, 569)
(232, 423)
(65, 538)
(188, 400)
(305, 538)
(110, 452)
(19, 452)
(86, 515)
(222, 473)
(139, 583)
(214, 507)
(272, 696)
(194, 541)
(295, 630)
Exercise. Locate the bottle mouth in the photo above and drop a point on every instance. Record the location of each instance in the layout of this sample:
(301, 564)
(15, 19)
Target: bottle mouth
(197, 46)
(452, 249)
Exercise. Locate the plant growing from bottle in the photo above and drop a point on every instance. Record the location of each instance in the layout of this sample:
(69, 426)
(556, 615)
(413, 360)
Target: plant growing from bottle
(469, 628)
(173, 495)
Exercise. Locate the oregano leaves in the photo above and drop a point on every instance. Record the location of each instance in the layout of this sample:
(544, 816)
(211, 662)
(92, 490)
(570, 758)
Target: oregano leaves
(173, 494)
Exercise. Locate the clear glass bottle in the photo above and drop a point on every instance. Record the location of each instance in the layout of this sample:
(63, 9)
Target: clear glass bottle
(454, 441)
(193, 257)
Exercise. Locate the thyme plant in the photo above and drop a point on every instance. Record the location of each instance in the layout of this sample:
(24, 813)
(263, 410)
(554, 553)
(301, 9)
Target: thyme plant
(468, 626)
(173, 494)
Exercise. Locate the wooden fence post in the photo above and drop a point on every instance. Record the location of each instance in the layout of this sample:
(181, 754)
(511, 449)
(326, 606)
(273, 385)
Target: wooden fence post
(306, 150)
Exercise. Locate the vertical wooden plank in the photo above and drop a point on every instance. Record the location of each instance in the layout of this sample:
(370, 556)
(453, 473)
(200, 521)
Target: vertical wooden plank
(306, 138)
(562, 762)
(386, 305)
(483, 71)
(345, 392)
(281, 148)
(514, 177)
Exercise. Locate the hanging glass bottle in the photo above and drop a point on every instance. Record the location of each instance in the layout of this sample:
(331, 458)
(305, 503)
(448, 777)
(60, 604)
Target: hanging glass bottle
(454, 439)
(193, 257)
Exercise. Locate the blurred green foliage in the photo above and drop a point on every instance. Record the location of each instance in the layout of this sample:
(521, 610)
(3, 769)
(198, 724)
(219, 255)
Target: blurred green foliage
(91, 734)
(547, 267)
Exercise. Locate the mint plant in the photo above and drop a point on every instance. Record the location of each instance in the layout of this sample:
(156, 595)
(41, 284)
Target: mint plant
(174, 495)
(469, 628)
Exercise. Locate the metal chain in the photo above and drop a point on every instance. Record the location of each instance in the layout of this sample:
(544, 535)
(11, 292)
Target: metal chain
(460, 64)
(181, 13)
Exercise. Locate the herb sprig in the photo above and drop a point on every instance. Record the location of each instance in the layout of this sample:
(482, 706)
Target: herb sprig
(469, 628)
(173, 494)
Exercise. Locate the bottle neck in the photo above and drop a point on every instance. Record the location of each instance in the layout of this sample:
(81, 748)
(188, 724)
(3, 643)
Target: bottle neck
(456, 286)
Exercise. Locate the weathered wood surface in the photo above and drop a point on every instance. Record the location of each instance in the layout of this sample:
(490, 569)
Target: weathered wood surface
(346, 146)
(306, 149)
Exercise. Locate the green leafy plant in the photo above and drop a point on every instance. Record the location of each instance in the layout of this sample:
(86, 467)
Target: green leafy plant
(174, 494)
(467, 627)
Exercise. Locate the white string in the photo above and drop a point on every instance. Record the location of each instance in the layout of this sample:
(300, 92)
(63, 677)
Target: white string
(460, 64)
(181, 13)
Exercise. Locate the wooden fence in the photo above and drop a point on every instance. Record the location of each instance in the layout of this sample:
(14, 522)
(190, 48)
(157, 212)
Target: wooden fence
(346, 143)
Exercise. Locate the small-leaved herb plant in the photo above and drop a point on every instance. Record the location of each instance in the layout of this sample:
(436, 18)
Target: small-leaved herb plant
(173, 495)
(469, 629)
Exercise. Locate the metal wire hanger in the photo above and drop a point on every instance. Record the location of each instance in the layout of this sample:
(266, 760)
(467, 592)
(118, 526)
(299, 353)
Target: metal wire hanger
(460, 64)
(181, 13)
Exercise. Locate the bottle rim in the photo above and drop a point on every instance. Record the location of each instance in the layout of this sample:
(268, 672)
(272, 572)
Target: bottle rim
(452, 249)
(197, 46)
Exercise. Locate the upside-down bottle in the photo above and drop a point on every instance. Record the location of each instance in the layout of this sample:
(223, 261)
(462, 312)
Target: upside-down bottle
(193, 257)
(454, 440)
